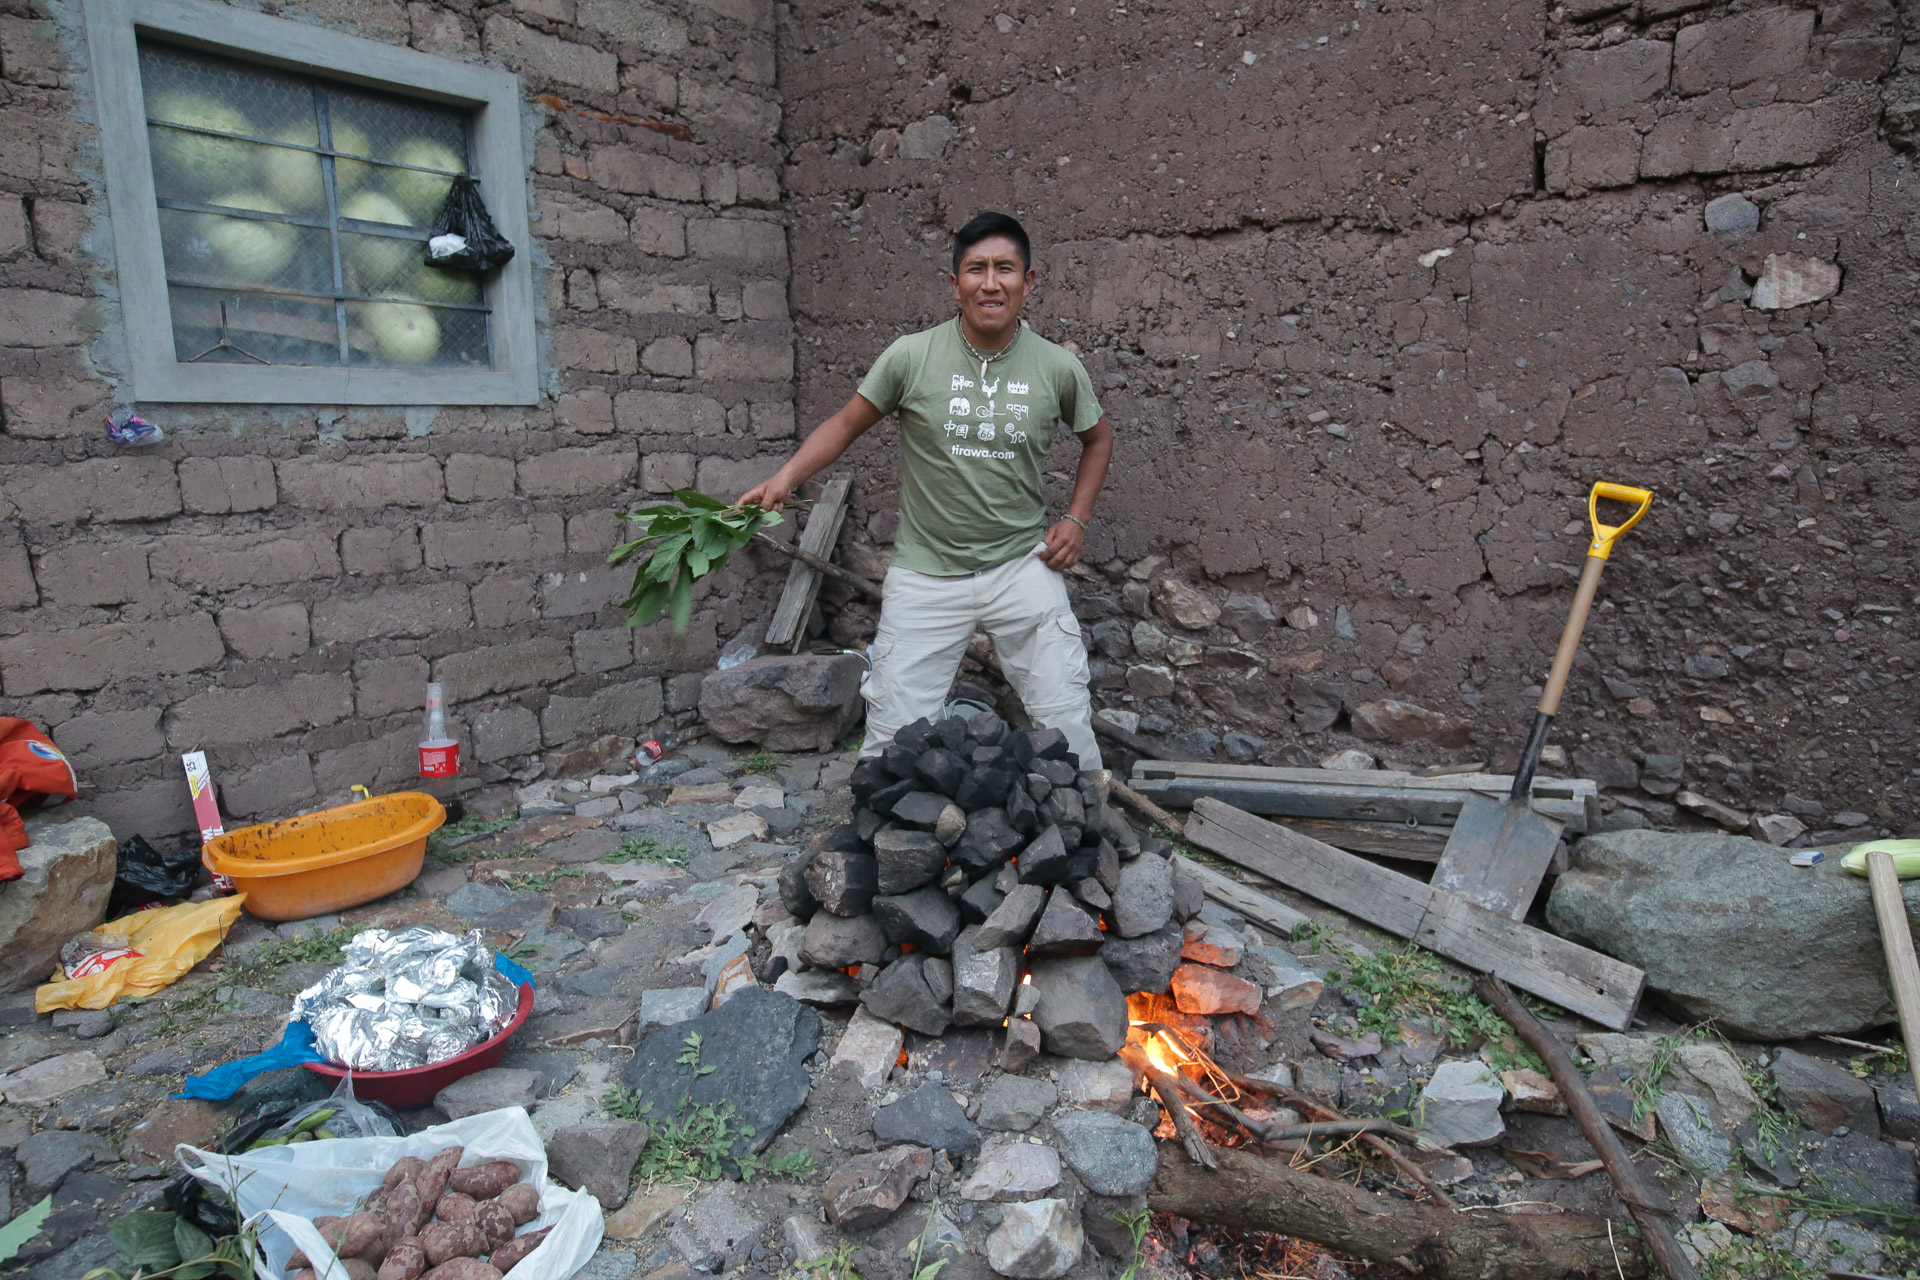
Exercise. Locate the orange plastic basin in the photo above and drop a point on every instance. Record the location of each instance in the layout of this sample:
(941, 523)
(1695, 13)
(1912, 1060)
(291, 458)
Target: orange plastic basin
(325, 861)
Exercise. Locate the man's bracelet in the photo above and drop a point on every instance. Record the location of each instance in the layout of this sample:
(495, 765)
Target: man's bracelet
(1077, 520)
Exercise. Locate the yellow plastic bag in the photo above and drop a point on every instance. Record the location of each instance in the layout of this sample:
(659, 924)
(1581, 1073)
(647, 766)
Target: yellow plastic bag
(170, 940)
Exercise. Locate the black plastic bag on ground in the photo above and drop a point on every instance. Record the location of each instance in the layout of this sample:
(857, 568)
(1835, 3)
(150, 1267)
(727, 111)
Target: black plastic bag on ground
(144, 874)
(463, 237)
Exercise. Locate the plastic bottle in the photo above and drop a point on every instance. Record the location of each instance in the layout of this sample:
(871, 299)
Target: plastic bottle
(439, 754)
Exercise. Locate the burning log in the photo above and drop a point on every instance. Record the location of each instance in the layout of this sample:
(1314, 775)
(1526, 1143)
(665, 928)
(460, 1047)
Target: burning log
(1167, 1087)
(1250, 1193)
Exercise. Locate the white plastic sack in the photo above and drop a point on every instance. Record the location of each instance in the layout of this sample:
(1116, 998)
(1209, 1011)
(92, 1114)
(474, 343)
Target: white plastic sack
(287, 1187)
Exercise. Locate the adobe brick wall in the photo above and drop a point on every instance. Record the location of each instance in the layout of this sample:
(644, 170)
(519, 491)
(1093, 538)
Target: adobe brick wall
(1373, 292)
(276, 584)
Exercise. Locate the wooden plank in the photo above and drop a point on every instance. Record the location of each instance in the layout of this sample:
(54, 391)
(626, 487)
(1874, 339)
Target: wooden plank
(789, 626)
(1382, 839)
(1329, 798)
(1245, 899)
(1374, 894)
(1588, 983)
(1501, 783)
(1584, 981)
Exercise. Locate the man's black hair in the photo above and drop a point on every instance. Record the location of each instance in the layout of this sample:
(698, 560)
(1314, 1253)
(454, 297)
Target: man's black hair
(985, 226)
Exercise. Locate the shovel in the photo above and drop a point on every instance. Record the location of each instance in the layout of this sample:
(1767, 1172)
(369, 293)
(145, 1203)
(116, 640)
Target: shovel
(1499, 850)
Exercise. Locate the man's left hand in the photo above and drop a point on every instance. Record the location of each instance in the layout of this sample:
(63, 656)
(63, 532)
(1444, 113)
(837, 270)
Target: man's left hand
(1064, 542)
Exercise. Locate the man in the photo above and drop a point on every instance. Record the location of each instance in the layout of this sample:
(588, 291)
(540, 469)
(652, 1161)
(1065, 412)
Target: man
(977, 397)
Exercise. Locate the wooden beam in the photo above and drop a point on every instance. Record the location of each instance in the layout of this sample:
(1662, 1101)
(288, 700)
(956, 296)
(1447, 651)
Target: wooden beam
(1593, 985)
(1245, 899)
(1358, 795)
(1415, 843)
(789, 626)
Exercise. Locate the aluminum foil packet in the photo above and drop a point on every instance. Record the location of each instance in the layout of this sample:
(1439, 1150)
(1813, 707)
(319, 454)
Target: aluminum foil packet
(406, 998)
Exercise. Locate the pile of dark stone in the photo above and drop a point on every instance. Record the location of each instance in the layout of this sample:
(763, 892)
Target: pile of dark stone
(985, 879)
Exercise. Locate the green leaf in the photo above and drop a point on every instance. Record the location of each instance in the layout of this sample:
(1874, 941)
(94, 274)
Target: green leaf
(680, 604)
(14, 1236)
(695, 498)
(193, 1271)
(190, 1242)
(146, 1237)
(697, 562)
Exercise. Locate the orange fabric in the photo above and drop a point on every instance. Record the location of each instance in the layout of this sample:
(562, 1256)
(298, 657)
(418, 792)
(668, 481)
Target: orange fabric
(32, 769)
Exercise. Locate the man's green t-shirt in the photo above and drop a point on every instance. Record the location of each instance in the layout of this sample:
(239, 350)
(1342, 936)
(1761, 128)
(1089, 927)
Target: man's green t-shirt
(972, 443)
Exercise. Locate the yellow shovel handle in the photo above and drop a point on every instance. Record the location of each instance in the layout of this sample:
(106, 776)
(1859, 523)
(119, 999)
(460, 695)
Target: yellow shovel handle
(1604, 534)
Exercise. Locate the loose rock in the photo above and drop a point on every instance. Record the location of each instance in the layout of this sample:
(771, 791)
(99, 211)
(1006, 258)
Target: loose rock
(835, 941)
(597, 1158)
(1082, 1012)
(785, 702)
(983, 981)
(1016, 1103)
(1460, 1106)
(67, 873)
(928, 1117)
(1147, 962)
(1824, 1096)
(867, 1190)
(868, 1048)
(1013, 1170)
(1037, 1240)
(1143, 902)
(1114, 1157)
(491, 1090)
(1199, 988)
(901, 994)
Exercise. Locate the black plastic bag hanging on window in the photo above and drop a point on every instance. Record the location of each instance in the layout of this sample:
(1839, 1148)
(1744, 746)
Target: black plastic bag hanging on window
(463, 236)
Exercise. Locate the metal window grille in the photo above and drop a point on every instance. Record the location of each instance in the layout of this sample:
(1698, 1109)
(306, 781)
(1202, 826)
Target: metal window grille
(293, 218)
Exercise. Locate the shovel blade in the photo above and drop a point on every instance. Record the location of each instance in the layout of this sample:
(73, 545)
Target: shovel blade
(1498, 854)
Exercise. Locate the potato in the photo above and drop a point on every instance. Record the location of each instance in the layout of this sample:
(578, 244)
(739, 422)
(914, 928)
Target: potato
(359, 1269)
(407, 1260)
(303, 1275)
(299, 1261)
(522, 1200)
(326, 1220)
(495, 1222)
(405, 1169)
(509, 1255)
(456, 1206)
(463, 1269)
(433, 1179)
(453, 1240)
(364, 1235)
(485, 1181)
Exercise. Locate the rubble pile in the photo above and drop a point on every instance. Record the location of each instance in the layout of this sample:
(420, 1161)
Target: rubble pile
(984, 879)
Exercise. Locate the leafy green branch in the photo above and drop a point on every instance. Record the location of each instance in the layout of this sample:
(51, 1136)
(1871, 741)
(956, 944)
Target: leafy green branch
(679, 545)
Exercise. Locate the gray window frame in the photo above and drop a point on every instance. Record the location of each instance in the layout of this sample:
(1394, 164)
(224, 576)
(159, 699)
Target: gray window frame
(113, 27)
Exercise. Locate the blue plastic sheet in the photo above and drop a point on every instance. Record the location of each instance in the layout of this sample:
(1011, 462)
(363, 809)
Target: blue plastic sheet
(295, 1049)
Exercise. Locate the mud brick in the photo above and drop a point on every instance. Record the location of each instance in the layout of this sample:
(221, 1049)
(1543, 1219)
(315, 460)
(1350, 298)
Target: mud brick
(943, 770)
(625, 708)
(636, 24)
(258, 712)
(665, 472)
(742, 240)
(502, 667)
(271, 788)
(1765, 44)
(222, 562)
(639, 173)
(98, 739)
(41, 318)
(718, 108)
(568, 595)
(380, 550)
(478, 477)
(567, 473)
(659, 233)
(759, 185)
(595, 350)
(270, 631)
(466, 543)
(90, 657)
(733, 477)
(765, 300)
(602, 649)
(218, 486)
(544, 58)
(504, 733)
(382, 686)
(92, 573)
(98, 489)
(396, 611)
(669, 357)
(588, 410)
(726, 356)
(565, 216)
(644, 296)
(393, 480)
(501, 602)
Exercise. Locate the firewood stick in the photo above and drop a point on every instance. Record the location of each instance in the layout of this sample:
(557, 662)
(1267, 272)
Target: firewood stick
(1190, 1137)
(1294, 1098)
(1648, 1207)
(859, 584)
(1146, 808)
(1140, 746)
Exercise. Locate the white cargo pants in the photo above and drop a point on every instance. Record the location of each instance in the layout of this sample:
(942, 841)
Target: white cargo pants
(925, 623)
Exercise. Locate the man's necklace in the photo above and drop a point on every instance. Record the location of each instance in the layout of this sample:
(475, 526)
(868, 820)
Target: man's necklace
(983, 357)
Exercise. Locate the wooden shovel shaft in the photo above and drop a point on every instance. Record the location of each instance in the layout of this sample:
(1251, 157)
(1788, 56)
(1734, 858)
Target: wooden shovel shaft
(1570, 635)
(1896, 937)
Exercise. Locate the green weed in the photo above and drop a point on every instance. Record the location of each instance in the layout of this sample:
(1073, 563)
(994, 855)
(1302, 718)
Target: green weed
(917, 1251)
(695, 1144)
(837, 1265)
(1136, 1222)
(1751, 1259)
(647, 849)
(763, 762)
(1889, 1061)
(543, 881)
(1407, 982)
(439, 844)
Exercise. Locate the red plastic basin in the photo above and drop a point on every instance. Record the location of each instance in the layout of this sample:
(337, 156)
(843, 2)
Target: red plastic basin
(416, 1086)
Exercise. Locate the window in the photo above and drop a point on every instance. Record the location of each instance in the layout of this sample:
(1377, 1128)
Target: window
(271, 186)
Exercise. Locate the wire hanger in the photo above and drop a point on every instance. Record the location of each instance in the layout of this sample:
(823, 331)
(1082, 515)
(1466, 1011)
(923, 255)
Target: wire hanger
(226, 343)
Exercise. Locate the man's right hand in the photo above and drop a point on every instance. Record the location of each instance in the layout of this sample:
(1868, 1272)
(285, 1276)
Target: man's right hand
(768, 495)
